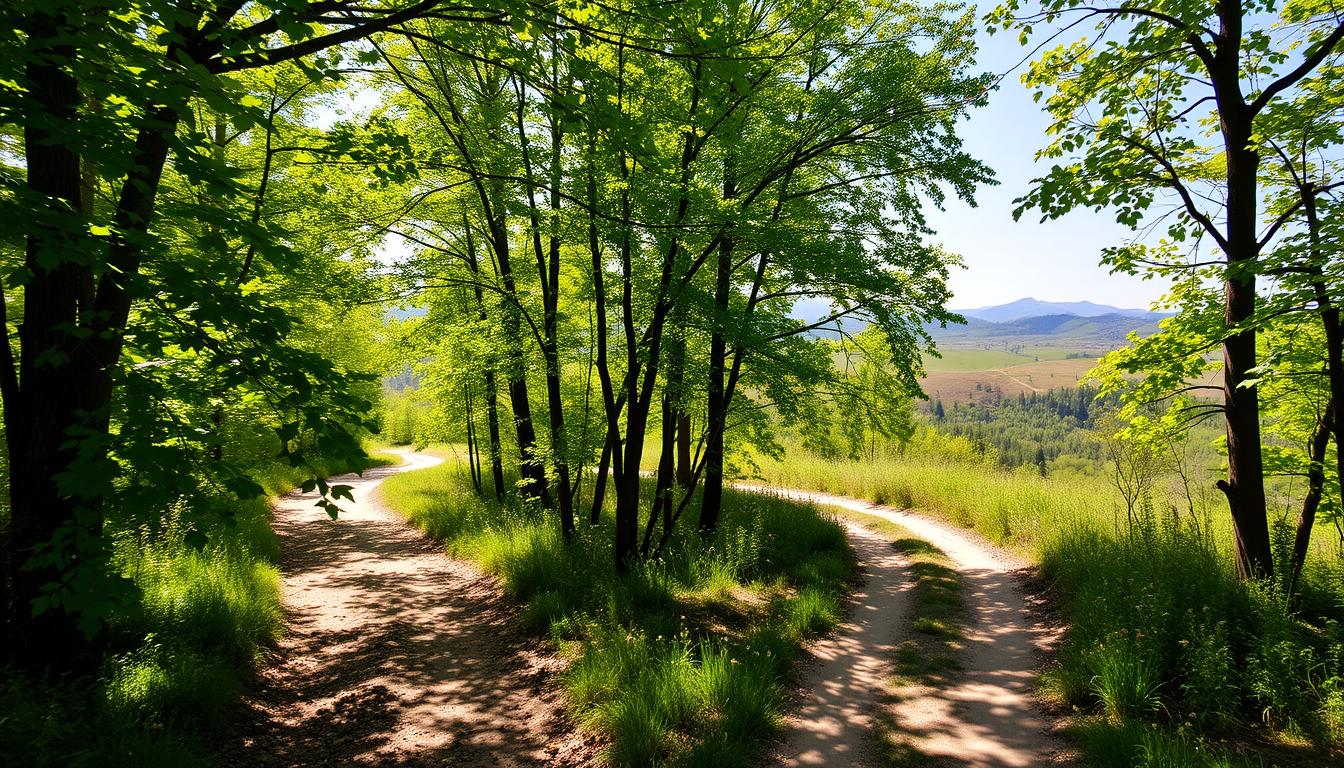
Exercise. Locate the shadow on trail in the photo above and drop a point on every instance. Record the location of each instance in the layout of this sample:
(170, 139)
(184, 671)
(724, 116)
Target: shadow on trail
(396, 655)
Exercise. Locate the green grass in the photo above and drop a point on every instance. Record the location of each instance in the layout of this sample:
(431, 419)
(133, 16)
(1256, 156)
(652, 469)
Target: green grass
(1017, 509)
(682, 661)
(959, 360)
(1166, 649)
(177, 656)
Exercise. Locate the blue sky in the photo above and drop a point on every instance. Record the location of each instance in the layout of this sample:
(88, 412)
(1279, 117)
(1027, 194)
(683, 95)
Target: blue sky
(1007, 260)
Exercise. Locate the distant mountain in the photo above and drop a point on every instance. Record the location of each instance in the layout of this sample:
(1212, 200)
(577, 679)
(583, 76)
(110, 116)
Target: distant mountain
(1024, 308)
(1099, 332)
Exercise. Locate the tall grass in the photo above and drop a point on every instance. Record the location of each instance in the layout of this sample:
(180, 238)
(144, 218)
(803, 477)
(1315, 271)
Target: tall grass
(681, 661)
(1014, 508)
(1166, 649)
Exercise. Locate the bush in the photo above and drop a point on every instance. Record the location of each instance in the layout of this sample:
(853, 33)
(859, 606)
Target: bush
(1159, 627)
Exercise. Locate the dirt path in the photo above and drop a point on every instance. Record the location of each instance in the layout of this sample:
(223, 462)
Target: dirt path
(834, 723)
(988, 718)
(396, 654)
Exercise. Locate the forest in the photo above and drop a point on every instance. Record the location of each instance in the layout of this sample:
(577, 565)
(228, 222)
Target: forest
(420, 382)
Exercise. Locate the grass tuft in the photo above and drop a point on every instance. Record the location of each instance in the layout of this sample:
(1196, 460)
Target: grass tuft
(682, 661)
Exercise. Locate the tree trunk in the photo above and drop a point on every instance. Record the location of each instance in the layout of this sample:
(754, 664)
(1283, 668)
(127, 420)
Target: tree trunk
(529, 464)
(1306, 519)
(492, 421)
(473, 452)
(675, 388)
(662, 493)
(491, 385)
(1245, 484)
(68, 356)
(711, 500)
(39, 416)
(600, 484)
(685, 473)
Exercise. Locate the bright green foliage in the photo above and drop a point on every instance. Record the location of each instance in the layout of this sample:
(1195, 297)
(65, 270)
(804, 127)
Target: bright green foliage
(1213, 131)
(664, 193)
(1160, 629)
(174, 307)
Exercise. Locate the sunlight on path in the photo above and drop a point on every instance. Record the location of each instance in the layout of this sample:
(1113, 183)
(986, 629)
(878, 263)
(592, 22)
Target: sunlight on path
(833, 726)
(988, 717)
(397, 654)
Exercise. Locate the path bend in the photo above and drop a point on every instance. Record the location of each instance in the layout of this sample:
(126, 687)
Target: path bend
(396, 655)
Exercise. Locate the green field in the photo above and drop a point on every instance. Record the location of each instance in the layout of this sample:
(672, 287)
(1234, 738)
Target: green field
(959, 360)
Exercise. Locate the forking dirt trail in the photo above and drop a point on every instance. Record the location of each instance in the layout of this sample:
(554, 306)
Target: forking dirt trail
(398, 655)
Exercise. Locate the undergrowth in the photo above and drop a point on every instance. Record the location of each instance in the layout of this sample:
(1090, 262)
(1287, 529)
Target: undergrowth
(681, 661)
(177, 656)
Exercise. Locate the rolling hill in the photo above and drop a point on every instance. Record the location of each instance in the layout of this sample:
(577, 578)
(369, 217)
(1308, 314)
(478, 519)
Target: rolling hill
(1082, 333)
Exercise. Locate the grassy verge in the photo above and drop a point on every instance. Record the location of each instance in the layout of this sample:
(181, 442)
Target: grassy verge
(931, 654)
(178, 655)
(960, 489)
(1169, 659)
(680, 662)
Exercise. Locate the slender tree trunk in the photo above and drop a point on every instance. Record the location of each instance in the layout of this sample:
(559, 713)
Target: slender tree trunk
(611, 449)
(711, 500)
(491, 385)
(548, 271)
(600, 484)
(675, 387)
(529, 463)
(685, 472)
(492, 423)
(1306, 519)
(1245, 483)
(662, 494)
(473, 452)
(1330, 323)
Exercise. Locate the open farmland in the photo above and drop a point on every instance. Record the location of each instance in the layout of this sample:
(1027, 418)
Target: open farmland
(953, 386)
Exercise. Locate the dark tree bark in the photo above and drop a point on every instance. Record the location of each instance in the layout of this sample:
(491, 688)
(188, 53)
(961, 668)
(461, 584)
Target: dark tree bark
(492, 423)
(473, 452)
(548, 273)
(1245, 483)
(716, 401)
(73, 328)
(662, 493)
(41, 407)
(529, 463)
(600, 484)
(711, 500)
(685, 472)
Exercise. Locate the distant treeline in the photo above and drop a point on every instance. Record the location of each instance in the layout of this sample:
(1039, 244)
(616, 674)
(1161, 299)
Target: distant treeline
(1035, 428)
